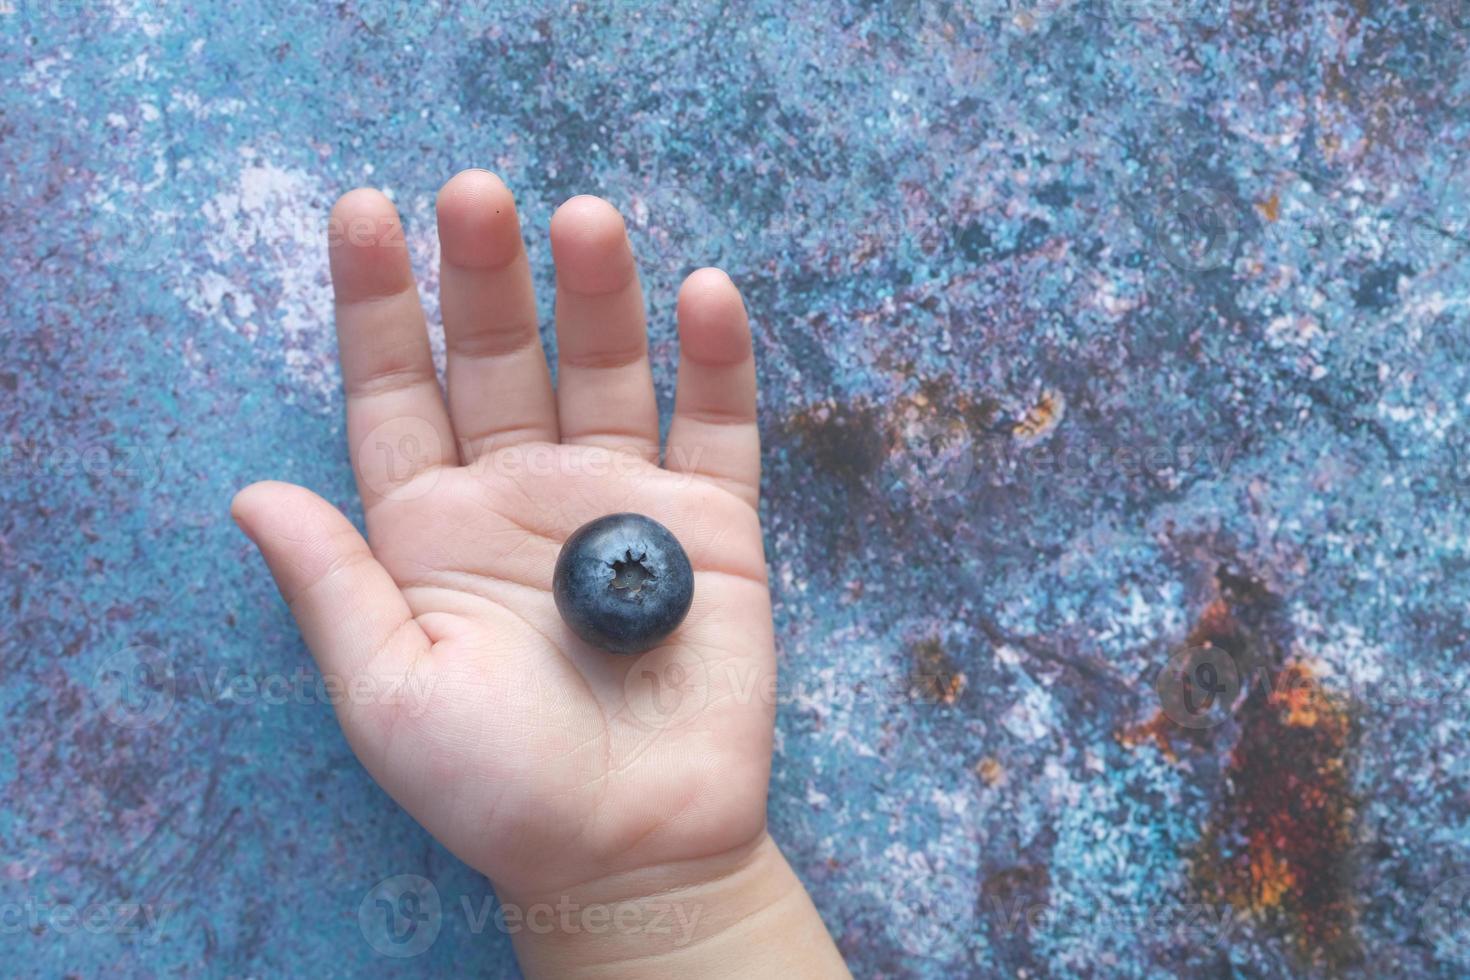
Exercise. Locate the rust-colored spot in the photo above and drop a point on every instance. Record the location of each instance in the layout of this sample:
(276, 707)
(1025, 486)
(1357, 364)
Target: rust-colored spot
(849, 440)
(1042, 418)
(944, 396)
(1282, 838)
(1270, 208)
(1271, 878)
(1160, 729)
(1010, 897)
(840, 440)
(990, 770)
(1279, 844)
(1215, 627)
(934, 677)
(1302, 700)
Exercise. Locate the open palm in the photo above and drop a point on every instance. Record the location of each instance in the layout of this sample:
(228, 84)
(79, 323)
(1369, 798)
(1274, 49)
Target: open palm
(541, 761)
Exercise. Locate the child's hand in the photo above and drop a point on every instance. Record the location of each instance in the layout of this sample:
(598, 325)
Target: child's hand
(558, 770)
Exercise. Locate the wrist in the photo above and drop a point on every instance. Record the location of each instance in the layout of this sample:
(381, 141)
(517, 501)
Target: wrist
(741, 913)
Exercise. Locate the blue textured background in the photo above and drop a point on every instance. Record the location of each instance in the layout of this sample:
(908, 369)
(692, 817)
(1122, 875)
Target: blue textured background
(1086, 330)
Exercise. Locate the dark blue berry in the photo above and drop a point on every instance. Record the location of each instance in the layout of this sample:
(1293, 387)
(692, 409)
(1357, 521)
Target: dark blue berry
(623, 583)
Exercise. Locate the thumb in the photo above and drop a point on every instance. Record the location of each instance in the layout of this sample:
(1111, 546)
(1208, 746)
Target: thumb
(350, 611)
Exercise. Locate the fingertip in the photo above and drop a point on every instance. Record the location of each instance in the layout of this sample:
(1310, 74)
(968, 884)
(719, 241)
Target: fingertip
(714, 431)
(589, 243)
(713, 328)
(247, 503)
(478, 225)
(346, 604)
(358, 206)
(270, 504)
(300, 534)
(710, 290)
(472, 179)
(365, 246)
(584, 213)
(473, 192)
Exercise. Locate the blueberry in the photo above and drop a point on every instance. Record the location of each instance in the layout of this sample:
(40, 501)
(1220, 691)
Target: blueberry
(623, 583)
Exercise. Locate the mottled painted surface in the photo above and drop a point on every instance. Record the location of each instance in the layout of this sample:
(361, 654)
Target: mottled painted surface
(1088, 331)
